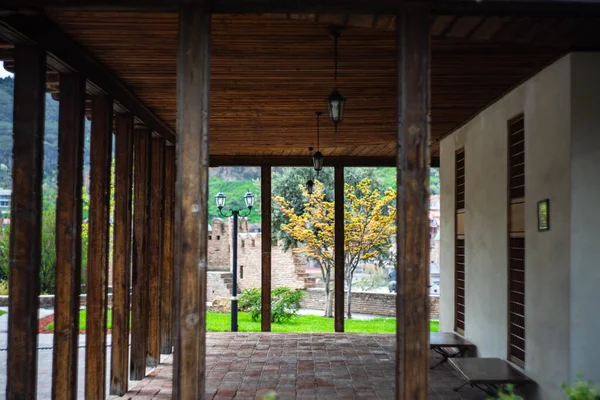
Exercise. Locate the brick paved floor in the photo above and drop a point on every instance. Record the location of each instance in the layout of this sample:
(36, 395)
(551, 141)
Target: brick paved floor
(300, 366)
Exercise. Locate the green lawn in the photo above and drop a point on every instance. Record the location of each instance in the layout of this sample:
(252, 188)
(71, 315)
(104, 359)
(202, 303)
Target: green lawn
(82, 317)
(218, 322)
(2, 312)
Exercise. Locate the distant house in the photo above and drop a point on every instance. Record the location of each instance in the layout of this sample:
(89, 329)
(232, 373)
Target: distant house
(5, 201)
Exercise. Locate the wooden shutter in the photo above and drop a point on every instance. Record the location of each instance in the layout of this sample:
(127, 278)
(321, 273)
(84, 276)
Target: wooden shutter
(516, 241)
(516, 141)
(459, 244)
(516, 298)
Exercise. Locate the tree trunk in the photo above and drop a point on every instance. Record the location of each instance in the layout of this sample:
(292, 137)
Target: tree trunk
(329, 305)
(349, 296)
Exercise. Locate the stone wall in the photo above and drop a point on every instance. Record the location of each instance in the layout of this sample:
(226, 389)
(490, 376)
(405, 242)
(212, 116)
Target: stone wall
(216, 286)
(219, 246)
(383, 304)
(288, 269)
(47, 300)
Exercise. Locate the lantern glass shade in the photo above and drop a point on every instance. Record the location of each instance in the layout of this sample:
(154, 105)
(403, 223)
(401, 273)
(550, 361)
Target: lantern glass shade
(249, 199)
(335, 105)
(318, 161)
(220, 199)
(310, 186)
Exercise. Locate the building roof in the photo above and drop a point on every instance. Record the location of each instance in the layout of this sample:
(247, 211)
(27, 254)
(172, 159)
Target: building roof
(270, 72)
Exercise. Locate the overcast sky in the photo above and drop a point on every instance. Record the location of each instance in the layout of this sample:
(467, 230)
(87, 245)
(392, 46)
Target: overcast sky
(3, 72)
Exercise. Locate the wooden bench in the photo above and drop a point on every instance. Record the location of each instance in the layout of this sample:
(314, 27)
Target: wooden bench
(448, 345)
(487, 374)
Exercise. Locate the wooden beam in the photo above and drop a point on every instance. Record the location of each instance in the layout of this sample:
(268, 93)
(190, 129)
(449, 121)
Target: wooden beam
(265, 193)
(157, 181)
(166, 298)
(296, 161)
(139, 271)
(97, 261)
(66, 55)
(119, 371)
(26, 221)
(568, 8)
(68, 236)
(339, 240)
(193, 103)
(412, 301)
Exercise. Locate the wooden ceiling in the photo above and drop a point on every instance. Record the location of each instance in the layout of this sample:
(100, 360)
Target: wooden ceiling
(271, 72)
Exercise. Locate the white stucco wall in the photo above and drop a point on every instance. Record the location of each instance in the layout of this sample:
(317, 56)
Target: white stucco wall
(585, 216)
(560, 280)
(447, 227)
(547, 176)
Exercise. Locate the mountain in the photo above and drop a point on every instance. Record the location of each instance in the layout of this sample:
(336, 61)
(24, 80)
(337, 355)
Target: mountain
(50, 136)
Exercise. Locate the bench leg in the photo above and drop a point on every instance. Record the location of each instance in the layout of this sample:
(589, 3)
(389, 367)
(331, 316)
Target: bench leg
(445, 356)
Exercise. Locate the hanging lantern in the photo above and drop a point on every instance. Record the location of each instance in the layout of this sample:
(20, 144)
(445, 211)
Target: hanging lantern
(249, 199)
(335, 101)
(310, 186)
(220, 199)
(318, 157)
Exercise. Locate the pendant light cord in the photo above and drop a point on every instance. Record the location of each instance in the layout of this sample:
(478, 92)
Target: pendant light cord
(318, 116)
(335, 57)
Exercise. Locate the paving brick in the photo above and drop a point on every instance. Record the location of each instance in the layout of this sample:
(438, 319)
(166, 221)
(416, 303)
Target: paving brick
(301, 366)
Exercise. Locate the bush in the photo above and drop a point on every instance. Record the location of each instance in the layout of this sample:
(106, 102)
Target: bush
(582, 390)
(4, 247)
(508, 393)
(285, 303)
(4, 288)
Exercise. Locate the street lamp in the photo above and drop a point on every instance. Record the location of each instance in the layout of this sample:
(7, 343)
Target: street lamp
(249, 200)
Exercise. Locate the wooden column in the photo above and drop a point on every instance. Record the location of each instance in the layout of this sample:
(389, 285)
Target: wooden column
(139, 270)
(26, 221)
(119, 371)
(412, 301)
(339, 250)
(193, 98)
(97, 262)
(157, 180)
(68, 236)
(265, 193)
(166, 298)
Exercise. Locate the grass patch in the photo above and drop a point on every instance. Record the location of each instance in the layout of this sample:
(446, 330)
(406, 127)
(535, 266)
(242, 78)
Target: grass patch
(82, 318)
(220, 322)
(2, 312)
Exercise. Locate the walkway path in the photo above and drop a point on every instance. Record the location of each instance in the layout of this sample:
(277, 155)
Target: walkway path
(300, 366)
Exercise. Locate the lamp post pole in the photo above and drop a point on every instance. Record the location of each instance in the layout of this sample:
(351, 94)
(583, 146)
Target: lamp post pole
(249, 200)
(234, 299)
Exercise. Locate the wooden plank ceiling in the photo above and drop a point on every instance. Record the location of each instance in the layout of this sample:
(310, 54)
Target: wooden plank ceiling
(270, 73)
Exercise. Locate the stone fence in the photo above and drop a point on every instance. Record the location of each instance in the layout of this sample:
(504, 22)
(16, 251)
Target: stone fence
(383, 304)
(47, 300)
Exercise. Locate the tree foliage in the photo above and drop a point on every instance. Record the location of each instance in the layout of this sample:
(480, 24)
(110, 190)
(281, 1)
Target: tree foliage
(286, 181)
(369, 217)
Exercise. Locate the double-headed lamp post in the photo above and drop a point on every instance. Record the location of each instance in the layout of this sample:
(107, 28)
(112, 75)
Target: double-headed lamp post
(249, 200)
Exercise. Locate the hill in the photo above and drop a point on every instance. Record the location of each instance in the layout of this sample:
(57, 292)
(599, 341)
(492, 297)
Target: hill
(50, 136)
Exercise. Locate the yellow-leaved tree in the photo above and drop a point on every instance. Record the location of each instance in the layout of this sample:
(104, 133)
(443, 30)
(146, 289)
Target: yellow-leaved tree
(369, 218)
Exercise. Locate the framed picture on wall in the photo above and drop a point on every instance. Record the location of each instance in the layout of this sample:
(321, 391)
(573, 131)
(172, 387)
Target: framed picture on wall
(543, 214)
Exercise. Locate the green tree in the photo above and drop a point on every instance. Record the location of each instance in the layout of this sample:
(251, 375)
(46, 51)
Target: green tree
(285, 185)
(369, 221)
(4, 249)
